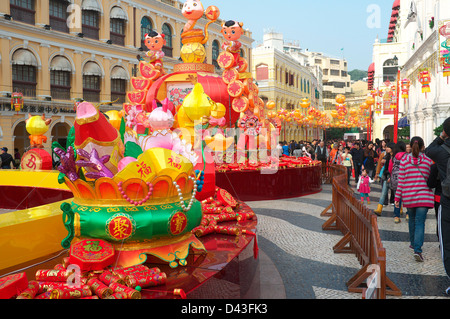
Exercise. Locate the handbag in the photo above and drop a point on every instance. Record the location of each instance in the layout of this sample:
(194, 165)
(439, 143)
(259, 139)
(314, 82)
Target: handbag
(426, 179)
(381, 172)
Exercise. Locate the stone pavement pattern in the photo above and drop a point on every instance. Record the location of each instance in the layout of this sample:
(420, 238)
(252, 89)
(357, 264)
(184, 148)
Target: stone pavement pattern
(290, 235)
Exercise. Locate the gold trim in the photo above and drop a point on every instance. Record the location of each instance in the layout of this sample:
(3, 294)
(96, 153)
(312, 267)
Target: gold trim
(88, 120)
(93, 141)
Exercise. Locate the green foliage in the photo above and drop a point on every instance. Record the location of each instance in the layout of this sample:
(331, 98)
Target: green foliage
(438, 130)
(357, 75)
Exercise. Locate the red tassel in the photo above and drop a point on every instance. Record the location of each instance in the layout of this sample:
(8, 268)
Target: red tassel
(179, 292)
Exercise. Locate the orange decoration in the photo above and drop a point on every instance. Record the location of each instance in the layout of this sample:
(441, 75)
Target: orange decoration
(230, 75)
(240, 104)
(271, 105)
(235, 88)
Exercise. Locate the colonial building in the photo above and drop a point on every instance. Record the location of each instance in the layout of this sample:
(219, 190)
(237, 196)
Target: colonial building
(414, 45)
(281, 70)
(58, 51)
(336, 79)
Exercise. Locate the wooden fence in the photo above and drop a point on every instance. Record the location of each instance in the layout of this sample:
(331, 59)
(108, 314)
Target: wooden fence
(359, 226)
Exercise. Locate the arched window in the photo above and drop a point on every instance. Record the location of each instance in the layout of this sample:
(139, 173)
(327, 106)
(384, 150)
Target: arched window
(262, 72)
(58, 15)
(146, 27)
(167, 31)
(24, 72)
(90, 19)
(60, 74)
(92, 75)
(23, 10)
(118, 19)
(215, 53)
(119, 79)
(390, 69)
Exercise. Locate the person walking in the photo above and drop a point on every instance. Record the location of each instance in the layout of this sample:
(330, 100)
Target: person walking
(385, 178)
(369, 160)
(434, 182)
(399, 152)
(439, 152)
(357, 157)
(363, 186)
(6, 159)
(347, 161)
(285, 149)
(417, 197)
(322, 155)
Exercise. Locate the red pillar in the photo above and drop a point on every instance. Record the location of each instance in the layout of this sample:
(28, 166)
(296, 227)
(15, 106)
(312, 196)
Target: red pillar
(397, 109)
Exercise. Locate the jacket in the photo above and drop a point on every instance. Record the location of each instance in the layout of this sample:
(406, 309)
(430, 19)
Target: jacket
(439, 155)
(412, 182)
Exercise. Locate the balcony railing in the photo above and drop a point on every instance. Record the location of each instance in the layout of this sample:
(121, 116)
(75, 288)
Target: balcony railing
(59, 24)
(60, 92)
(91, 95)
(120, 97)
(26, 88)
(22, 14)
(168, 51)
(117, 38)
(90, 32)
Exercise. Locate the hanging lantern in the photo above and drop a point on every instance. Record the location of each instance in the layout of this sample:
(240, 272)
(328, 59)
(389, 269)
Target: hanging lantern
(17, 101)
(393, 94)
(340, 99)
(271, 105)
(370, 100)
(405, 84)
(425, 80)
(305, 103)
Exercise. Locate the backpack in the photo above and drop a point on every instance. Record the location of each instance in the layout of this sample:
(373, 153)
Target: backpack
(446, 183)
(395, 171)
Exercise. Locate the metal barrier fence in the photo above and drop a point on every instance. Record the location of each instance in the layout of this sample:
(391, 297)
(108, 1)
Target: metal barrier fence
(359, 226)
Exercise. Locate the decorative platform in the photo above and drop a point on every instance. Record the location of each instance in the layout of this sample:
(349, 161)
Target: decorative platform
(256, 185)
(229, 261)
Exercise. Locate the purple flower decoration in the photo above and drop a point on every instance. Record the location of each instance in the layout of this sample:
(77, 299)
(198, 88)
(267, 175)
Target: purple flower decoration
(67, 166)
(95, 163)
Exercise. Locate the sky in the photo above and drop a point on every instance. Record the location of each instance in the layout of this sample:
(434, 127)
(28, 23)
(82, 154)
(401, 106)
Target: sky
(325, 26)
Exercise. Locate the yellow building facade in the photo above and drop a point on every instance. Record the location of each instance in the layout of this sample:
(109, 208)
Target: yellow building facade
(56, 52)
(283, 78)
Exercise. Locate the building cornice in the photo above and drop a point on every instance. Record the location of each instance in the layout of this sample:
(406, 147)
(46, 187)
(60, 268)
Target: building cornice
(67, 41)
(427, 45)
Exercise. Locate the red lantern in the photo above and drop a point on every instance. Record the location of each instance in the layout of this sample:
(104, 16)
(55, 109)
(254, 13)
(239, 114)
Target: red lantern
(425, 80)
(406, 83)
(17, 101)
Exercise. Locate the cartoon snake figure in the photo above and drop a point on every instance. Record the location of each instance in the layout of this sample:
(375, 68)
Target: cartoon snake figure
(194, 39)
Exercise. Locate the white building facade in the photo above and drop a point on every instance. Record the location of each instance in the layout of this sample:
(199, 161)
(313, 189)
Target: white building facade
(414, 45)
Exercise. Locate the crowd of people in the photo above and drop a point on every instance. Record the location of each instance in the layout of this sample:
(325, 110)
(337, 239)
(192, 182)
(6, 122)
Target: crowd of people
(412, 176)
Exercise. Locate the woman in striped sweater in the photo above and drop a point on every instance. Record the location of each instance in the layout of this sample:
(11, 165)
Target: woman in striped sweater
(413, 190)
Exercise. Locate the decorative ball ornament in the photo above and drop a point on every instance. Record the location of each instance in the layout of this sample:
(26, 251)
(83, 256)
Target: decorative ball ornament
(271, 105)
(193, 53)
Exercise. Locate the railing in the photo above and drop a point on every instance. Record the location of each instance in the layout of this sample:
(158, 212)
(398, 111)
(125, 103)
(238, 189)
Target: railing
(26, 88)
(359, 226)
(59, 24)
(22, 14)
(117, 38)
(60, 92)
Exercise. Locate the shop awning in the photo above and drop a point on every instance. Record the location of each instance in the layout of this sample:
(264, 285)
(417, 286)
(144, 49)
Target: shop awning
(91, 5)
(92, 68)
(119, 73)
(403, 122)
(60, 63)
(24, 57)
(118, 13)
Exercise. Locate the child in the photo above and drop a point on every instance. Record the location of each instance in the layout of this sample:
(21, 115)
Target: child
(364, 186)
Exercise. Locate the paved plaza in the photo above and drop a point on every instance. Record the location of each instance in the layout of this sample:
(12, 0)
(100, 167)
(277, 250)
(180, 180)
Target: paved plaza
(300, 254)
